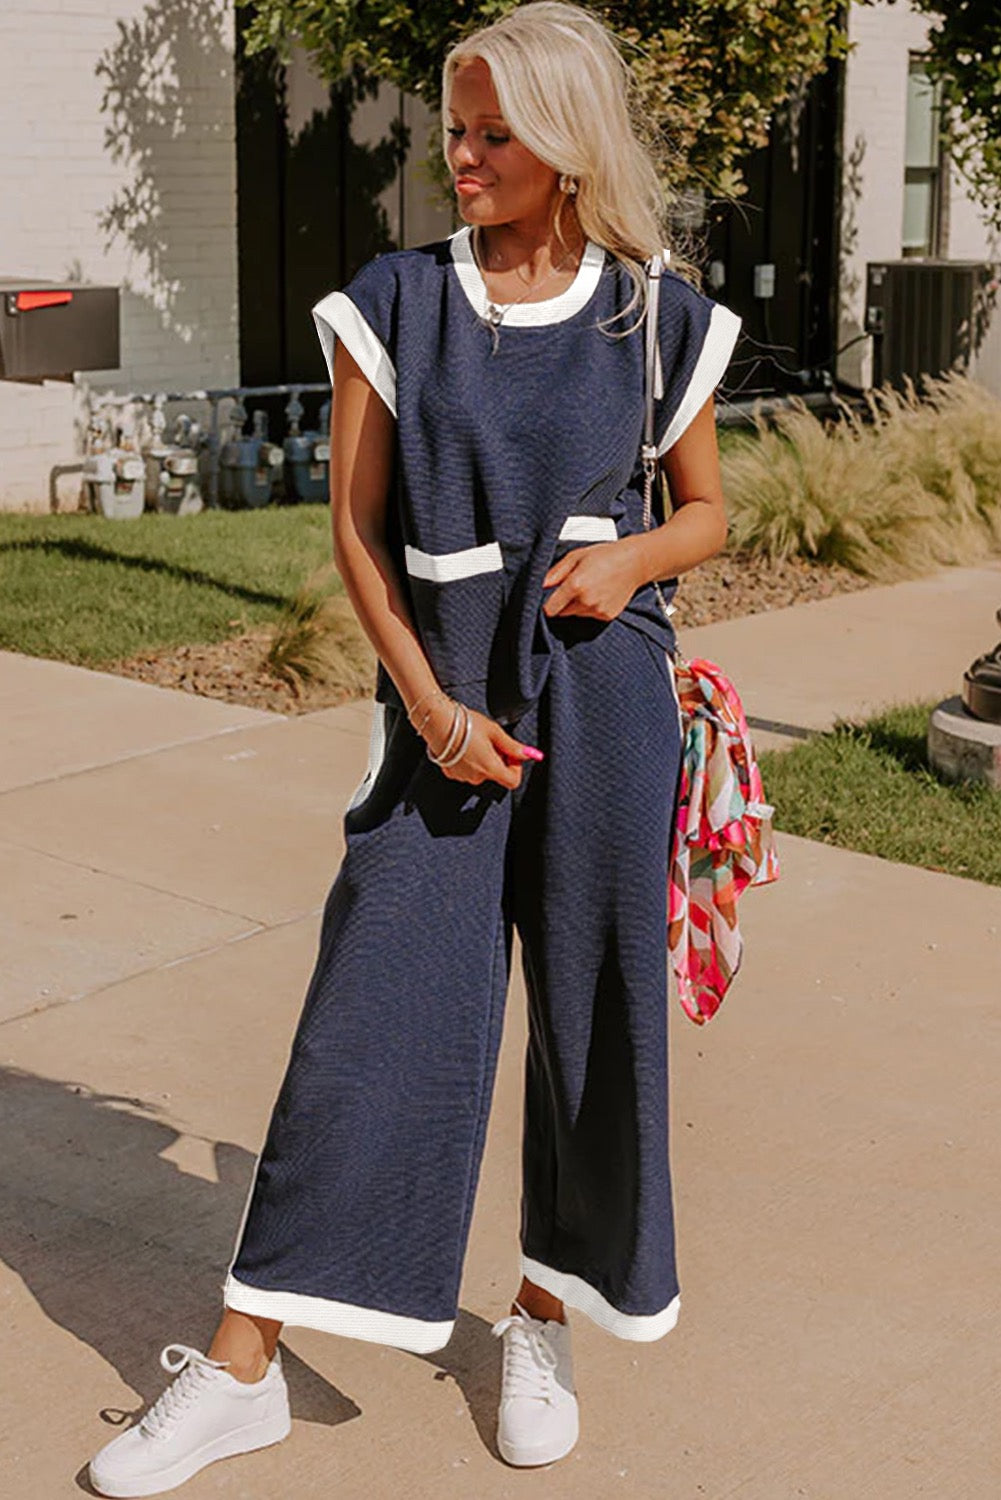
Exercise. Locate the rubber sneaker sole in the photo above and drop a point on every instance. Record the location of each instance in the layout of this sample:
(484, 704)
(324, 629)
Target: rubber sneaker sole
(242, 1440)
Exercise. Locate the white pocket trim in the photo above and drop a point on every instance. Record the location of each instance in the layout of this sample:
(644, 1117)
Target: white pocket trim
(445, 567)
(589, 529)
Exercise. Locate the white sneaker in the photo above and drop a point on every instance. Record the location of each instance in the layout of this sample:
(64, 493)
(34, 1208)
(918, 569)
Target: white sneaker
(538, 1419)
(204, 1414)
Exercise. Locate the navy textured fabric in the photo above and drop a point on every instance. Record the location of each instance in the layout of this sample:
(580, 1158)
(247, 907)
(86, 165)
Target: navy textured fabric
(365, 1185)
(497, 447)
(358, 1216)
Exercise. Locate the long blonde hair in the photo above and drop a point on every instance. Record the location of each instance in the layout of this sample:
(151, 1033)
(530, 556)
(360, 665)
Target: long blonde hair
(568, 95)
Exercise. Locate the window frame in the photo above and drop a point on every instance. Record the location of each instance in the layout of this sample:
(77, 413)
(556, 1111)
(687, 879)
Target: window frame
(934, 173)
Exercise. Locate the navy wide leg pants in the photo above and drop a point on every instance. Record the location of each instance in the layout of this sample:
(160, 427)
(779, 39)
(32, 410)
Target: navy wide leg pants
(358, 1214)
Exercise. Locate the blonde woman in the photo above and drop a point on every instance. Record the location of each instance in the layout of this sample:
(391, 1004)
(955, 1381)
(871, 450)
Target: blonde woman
(487, 513)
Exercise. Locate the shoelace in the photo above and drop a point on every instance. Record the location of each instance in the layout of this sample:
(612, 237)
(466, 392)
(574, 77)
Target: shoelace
(193, 1370)
(529, 1357)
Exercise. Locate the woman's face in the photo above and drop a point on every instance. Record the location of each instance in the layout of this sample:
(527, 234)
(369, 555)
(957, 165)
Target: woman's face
(497, 179)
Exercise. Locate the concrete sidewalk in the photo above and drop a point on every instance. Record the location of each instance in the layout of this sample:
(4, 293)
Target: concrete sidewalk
(801, 668)
(836, 1135)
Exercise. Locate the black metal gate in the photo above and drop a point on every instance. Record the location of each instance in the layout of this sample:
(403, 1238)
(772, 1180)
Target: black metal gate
(789, 220)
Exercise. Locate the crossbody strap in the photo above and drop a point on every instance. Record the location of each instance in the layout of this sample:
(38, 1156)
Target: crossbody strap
(653, 382)
(653, 373)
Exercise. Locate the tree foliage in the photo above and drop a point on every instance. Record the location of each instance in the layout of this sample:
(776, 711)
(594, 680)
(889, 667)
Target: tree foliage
(711, 73)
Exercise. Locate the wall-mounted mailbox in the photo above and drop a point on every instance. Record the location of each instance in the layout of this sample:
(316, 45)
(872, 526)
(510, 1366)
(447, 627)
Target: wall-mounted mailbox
(48, 329)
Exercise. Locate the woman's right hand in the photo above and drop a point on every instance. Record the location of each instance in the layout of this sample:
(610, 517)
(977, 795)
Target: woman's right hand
(491, 755)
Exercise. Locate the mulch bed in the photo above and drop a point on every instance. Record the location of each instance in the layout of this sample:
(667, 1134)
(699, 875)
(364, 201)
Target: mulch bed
(723, 588)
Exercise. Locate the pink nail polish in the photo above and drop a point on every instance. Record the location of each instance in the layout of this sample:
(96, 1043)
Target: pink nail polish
(531, 753)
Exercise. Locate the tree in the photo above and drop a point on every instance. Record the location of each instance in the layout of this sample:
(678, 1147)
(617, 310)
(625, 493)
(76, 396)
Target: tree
(712, 74)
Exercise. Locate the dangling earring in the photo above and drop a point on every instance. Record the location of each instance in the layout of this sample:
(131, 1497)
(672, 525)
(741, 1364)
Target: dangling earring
(568, 184)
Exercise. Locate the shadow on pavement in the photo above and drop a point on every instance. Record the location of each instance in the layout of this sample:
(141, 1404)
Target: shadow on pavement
(127, 1252)
(118, 1246)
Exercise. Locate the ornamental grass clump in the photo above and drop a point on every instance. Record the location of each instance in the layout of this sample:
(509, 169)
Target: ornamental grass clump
(818, 491)
(318, 639)
(971, 416)
(914, 487)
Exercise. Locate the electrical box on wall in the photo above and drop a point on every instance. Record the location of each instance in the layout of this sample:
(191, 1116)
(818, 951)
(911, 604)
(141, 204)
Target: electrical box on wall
(716, 275)
(48, 329)
(764, 280)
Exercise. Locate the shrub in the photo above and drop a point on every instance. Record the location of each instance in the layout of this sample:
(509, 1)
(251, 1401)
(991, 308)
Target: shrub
(318, 639)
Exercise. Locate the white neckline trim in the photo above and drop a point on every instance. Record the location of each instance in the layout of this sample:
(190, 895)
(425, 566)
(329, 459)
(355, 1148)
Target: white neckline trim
(526, 314)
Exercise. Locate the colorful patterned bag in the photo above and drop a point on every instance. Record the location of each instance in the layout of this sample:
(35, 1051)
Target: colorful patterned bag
(723, 837)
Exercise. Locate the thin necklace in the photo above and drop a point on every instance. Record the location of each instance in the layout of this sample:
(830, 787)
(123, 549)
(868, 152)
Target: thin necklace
(497, 310)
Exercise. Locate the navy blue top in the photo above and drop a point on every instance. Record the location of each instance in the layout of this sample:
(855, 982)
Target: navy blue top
(511, 451)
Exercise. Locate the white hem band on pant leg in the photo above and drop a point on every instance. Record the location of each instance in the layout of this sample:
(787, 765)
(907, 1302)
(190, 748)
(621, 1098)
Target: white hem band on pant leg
(345, 1318)
(580, 1294)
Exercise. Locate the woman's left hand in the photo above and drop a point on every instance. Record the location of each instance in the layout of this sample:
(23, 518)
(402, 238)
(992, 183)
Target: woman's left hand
(597, 580)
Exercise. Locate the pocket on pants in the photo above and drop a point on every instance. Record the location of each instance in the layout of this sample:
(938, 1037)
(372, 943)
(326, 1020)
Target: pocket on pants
(665, 667)
(395, 760)
(376, 756)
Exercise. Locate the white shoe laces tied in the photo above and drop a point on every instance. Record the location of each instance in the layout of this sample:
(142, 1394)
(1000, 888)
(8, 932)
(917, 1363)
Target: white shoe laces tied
(529, 1357)
(195, 1372)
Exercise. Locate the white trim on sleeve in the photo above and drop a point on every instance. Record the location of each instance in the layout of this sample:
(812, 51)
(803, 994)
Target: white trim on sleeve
(721, 335)
(336, 316)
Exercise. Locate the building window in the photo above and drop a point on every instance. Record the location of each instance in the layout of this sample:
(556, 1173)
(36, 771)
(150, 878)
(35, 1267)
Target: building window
(923, 163)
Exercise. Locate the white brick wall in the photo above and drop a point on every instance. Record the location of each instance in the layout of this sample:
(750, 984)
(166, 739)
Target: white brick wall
(875, 114)
(71, 156)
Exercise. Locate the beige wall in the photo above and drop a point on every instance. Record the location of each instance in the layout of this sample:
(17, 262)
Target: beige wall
(118, 167)
(872, 221)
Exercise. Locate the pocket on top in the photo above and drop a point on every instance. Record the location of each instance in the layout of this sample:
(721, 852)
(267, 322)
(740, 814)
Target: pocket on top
(458, 599)
(589, 529)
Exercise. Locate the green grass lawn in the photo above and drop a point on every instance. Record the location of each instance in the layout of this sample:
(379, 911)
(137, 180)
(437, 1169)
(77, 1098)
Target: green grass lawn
(869, 787)
(88, 590)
